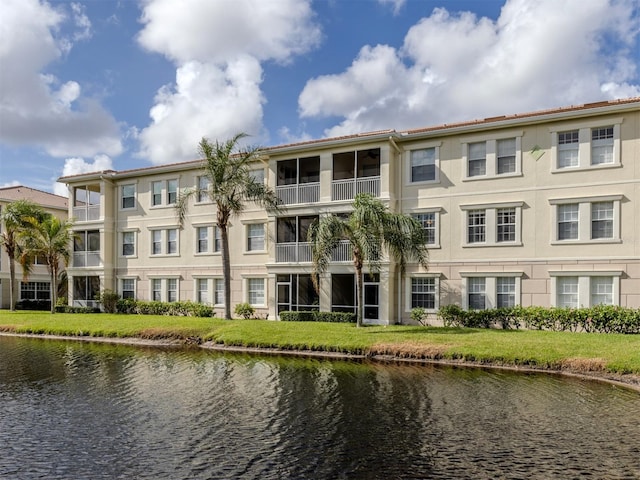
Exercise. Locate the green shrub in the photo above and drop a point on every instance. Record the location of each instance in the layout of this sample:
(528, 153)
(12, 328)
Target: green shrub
(315, 316)
(109, 300)
(419, 315)
(70, 309)
(245, 310)
(184, 309)
(33, 305)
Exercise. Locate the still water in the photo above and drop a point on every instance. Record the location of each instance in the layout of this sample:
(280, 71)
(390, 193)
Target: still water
(71, 410)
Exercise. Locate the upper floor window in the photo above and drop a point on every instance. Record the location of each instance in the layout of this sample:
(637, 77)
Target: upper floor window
(172, 192)
(257, 175)
(583, 145)
(156, 193)
(477, 161)
(164, 241)
(506, 224)
(486, 158)
(128, 244)
(128, 196)
(86, 202)
(203, 240)
(167, 187)
(255, 237)
(429, 222)
(423, 165)
(591, 219)
(203, 190)
(506, 156)
(356, 172)
(476, 226)
(493, 224)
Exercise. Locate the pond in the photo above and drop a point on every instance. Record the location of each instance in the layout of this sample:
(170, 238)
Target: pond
(74, 410)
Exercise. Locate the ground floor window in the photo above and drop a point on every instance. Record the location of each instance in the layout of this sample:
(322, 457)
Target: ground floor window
(423, 293)
(296, 292)
(202, 290)
(491, 291)
(255, 291)
(585, 289)
(128, 288)
(35, 291)
(86, 290)
(164, 289)
(344, 294)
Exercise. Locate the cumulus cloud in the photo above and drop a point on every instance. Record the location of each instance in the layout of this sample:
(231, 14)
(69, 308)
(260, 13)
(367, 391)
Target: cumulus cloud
(218, 52)
(77, 165)
(36, 108)
(457, 66)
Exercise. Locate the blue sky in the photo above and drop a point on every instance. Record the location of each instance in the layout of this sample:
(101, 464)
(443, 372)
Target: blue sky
(92, 85)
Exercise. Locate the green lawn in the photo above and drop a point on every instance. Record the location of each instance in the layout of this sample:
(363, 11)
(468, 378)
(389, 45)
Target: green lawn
(574, 351)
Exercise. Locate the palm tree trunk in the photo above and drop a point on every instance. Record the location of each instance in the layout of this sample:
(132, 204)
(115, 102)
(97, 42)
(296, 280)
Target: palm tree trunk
(12, 284)
(359, 286)
(53, 288)
(226, 269)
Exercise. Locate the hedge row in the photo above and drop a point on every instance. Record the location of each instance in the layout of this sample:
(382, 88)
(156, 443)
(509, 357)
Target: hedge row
(70, 309)
(183, 309)
(33, 305)
(313, 316)
(599, 319)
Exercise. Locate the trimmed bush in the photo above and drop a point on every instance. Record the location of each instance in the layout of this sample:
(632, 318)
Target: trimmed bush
(181, 309)
(314, 316)
(245, 310)
(109, 299)
(33, 305)
(70, 309)
(419, 315)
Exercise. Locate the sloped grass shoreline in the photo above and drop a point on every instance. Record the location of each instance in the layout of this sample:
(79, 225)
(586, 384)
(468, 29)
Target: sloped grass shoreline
(600, 354)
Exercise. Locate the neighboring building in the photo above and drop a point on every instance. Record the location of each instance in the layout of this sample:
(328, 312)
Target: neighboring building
(38, 285)
(532, 209)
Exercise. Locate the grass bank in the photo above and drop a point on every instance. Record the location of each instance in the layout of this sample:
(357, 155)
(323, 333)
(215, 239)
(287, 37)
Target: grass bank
(577, 352)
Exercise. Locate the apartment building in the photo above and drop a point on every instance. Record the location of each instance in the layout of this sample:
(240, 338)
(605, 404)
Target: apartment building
(38, 285)
(539, 208)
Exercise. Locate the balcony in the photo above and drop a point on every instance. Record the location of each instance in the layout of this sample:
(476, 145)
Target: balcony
(86, 259)
(299, 193)
(347, 189)
(293, 252)
(343, 252)
(86, 213)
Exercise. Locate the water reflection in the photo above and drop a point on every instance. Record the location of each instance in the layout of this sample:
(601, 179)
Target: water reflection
(72, 410)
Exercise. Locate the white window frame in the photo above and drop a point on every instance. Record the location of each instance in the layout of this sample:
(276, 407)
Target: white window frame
(258, 175)
(218, 281)
(164, 240)
(408, 164)
(135, 243)
(585, 219)
(37, 287)
(202, 183)
(198, 291)
(408, 301)
(121, 289)
(164, 286)
(169, 200)
(584, 285)
(160, 185)
(247, 280)
(491, 155)
(490, 287)
(491, 224)
(436, 220)
(134, 196)
(248, 238)
(585, 144)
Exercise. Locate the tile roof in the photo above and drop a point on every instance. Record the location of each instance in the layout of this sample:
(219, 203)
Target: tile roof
(46, 199)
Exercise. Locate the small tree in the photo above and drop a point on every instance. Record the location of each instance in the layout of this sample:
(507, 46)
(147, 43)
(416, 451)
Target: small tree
(370, 229)
(230, 187)
(15, 218)
(49, 239)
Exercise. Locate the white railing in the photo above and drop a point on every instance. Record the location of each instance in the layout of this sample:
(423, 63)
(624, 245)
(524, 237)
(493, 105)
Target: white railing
(86, 259)
(343, 252)
(347, 189)
(299, 193)
(293, 252)
(84, 213)
(85, 303)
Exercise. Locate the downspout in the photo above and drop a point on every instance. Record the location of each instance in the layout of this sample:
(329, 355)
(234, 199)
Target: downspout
(399, 205)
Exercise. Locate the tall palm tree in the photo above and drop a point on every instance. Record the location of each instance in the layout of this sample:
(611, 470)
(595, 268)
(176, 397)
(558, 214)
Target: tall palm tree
(49, 239)
(230, 187)
(371, 229)
(14, 217)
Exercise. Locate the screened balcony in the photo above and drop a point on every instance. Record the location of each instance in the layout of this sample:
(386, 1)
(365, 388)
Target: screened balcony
(299, 180)
(356, 172)
(86, 203)
(291, 244)
(86, 249)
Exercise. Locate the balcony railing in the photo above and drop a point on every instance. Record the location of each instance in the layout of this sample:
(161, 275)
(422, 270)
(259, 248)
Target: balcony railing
(343, 252)
(293, 252)
(86, 259)
(86, 303)
(86, 213)
(299, 193)
(349, 188)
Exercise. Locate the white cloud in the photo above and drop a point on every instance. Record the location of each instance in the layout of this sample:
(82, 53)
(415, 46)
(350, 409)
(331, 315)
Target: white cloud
(218, 53)
(537, 54)
(12, 183)
(396, 4)
(36, 108)
(77, 165)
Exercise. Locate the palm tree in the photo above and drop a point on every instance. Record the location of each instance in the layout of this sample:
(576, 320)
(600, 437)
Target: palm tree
(230, 187)
(49, 239)
(370, 230)
(14, 217)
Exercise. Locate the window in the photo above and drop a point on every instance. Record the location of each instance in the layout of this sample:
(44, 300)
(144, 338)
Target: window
(217, 241)
(35, 291)
(602, 145)
(423, 293)
(505, 292)
(219, 291)
(156, 247)
(156, 194)
(255, 291)
(156, 289)
(477, 160)
(128, 196)
(85, 290)
(585, 289)
(172, 192)
(568, 221)
(423, 165)
(203, 239)
(202, 290)
(128, 244)
(506, 223)
(257, 175)
(128, 288)
(601, 220)
(584, 220)
(568, 148)
(296, 292)
(506, 157)
(172, 241)
(255, 237)
(172, 289)
(586, 145)
(203, 189)
(86, 248)
(476, 291)
(428, 222)
(476, 220)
